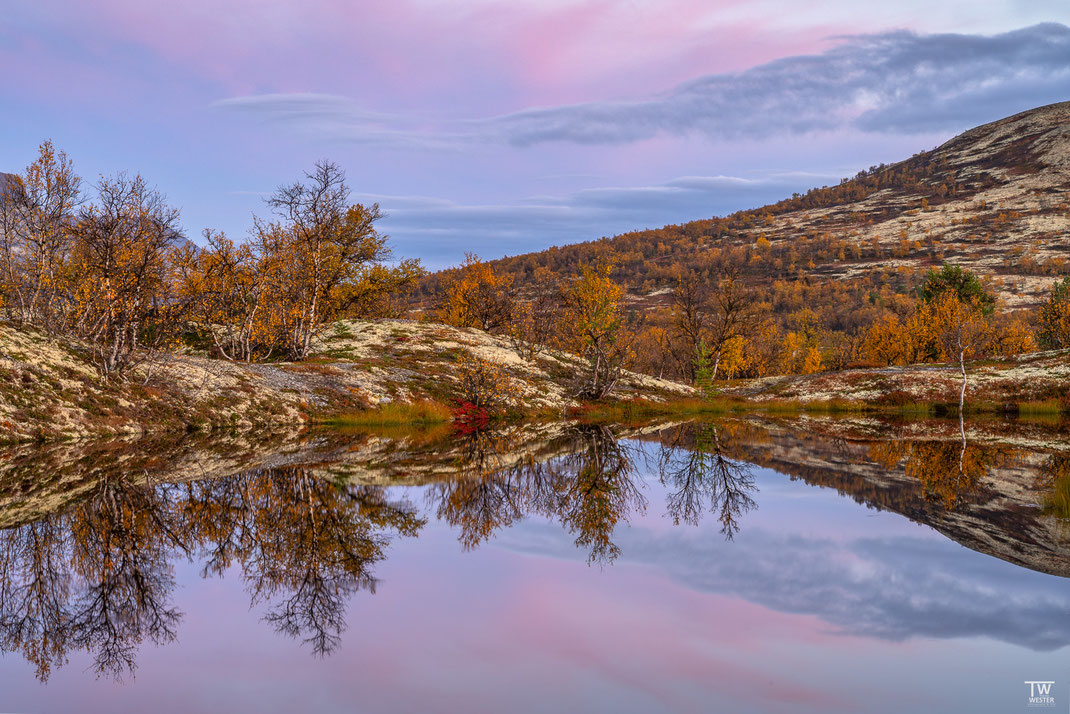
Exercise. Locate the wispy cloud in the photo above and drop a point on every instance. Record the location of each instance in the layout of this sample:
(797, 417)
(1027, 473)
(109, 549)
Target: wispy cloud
(439, 229)
(337, 118)
(897, 82)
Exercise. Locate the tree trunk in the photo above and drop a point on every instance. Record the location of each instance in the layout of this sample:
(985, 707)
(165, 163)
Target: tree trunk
(962, 367)
(962, 453)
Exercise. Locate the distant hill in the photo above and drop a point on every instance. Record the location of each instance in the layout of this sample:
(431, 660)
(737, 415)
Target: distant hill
(995, 199)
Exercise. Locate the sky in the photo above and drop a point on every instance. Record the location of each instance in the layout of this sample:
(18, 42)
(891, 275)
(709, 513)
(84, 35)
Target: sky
(507, 127)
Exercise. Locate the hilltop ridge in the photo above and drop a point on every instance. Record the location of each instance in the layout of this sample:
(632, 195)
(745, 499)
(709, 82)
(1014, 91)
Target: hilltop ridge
(995, 199)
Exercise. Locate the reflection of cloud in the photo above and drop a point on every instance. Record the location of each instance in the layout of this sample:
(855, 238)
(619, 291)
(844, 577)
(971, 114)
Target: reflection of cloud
(893, 588)
(898, 82)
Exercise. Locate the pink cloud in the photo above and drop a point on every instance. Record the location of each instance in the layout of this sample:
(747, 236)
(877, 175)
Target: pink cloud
(408, 54)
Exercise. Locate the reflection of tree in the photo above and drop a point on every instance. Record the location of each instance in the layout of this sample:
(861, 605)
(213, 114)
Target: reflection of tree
(99, 577)
(491, 494)
(34, 590)
(589, 489)
(482, 504)
(121, 552)
(702, 473)
(601, 493)
(305, 545)
(949, 472)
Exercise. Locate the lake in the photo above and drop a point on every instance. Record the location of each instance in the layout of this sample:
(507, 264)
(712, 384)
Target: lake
(741, 565)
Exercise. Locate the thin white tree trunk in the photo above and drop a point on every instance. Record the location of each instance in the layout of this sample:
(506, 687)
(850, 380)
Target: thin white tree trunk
(962, 367)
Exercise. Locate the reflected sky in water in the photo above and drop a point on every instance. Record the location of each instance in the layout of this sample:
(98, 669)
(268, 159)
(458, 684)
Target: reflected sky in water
(813, 604)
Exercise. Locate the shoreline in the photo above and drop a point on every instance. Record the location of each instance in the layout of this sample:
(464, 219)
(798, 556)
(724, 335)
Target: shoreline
(403, 373)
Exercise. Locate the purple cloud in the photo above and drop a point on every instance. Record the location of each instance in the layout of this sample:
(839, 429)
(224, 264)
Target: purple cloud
(898, 82)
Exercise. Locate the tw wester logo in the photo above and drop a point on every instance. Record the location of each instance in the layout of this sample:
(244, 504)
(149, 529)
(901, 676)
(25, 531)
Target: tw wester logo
(1040, 694)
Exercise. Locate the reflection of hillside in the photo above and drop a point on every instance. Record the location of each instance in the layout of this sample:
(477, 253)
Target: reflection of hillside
(39, 479)
(487, 480)
(990, 507)
(93, 570)
(36, 480)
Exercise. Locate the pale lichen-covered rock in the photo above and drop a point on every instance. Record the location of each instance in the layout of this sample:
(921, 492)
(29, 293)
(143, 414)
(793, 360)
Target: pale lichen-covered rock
(1037, 376)
(48, 390)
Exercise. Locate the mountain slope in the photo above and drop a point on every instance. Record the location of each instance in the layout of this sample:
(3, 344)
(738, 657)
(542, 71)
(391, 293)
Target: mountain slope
(995, 199)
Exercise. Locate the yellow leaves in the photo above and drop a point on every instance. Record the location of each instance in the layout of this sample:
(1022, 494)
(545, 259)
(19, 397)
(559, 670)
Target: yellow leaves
(594, 305)
(944, 329)
(799, 355)
(1014, 337)
(947, 471)
(478, 297)
(959, 328)
(792, 349)
(811, 361)
(762, 349)
(594, 326)
(734, 357)
(889, 342)
(1055, 316)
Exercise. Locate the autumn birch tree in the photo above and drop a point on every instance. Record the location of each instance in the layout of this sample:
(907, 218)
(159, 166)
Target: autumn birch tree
(120, 268)
(731, 310)
(36, 210)
(596, 324)
(961, 329)
(323, 255)
(225, 289)
(479, 297)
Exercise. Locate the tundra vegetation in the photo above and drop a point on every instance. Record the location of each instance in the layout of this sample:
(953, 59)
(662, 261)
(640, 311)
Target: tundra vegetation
(109, 272)
(717, 330)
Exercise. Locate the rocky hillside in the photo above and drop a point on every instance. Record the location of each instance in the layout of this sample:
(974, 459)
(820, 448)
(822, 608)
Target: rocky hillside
(1033, 377)
(995, 199)
(49, 390)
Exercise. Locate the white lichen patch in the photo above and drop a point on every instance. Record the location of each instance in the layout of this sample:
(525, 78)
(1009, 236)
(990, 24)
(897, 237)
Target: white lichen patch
(50, 391)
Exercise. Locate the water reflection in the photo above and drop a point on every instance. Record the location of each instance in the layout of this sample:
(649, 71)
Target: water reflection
(589, 488)
(304, 544)
(694, 464)
(98, 575)
(1054, 479)
(949, 472)
(98, 579)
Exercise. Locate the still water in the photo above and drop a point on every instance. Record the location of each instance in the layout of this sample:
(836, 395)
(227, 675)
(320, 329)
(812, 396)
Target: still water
(726, 567)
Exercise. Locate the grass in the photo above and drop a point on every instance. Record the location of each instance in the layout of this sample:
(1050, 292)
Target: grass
(1057, 502)
(430, 412)
(628, 410)
(420, 413)
(632, 409)
(1047, 410)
